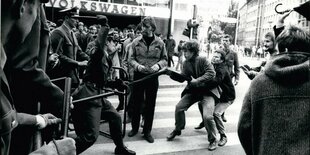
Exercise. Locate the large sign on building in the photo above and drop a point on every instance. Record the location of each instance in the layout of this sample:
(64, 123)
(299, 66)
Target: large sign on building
(132, 10)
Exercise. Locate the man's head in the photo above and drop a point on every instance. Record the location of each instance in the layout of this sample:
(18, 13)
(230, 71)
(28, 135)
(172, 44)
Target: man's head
(269, 42)
(293, 38)
(18, 17)
(191, 49)
(218, 57)
(226, 41)
(81, 26)
(170, 36)
(148, 26)
(68, 15)
(131, 31)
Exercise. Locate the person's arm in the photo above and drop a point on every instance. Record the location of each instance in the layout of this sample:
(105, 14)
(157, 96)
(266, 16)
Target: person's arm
(279, 26)
(236, 68)
(58, 38)
(245, 124)
(206, 77)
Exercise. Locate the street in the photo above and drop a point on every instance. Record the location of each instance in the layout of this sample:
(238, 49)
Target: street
(191, 141)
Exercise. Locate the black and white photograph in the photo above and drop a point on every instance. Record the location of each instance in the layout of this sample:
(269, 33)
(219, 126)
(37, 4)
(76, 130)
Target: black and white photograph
(155, 77)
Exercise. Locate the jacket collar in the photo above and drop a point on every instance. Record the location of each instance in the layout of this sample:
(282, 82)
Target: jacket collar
(289, 68)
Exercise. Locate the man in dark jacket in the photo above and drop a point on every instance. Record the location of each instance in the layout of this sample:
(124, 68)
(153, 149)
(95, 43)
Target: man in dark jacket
(87, 115)
(228, 94)
(197, 90)
(170, 45)
(275, 118)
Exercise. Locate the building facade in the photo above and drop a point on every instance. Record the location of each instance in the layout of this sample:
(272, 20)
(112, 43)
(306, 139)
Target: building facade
(257, 17)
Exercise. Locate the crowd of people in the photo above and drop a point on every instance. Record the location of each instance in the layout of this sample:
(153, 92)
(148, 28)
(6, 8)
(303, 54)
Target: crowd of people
(274, 118)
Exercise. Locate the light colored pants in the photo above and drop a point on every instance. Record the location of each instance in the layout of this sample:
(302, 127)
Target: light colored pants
(206, 102)
(220, 108)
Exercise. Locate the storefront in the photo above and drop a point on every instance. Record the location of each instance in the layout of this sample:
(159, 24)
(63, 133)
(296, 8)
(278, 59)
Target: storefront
(119, 15)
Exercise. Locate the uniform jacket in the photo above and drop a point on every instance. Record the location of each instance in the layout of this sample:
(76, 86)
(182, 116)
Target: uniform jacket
(275, 114)
(203, 71)
(69, 51)
(29, 84)
(148, 56)
(232, 63)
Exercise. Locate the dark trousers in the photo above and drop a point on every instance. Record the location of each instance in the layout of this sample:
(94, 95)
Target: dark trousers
(86, 119)
(170, 61)
(144, 94)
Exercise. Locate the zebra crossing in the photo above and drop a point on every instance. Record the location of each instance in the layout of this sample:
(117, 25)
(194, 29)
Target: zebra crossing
(190, 142)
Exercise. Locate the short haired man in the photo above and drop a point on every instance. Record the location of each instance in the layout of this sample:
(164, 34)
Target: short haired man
(65, 44)
(275, 112)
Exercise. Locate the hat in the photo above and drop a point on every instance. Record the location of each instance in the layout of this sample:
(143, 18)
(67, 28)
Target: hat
(303, 9)
(149, 21)
(70, 11)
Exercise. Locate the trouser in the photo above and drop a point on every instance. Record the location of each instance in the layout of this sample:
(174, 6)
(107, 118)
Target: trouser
(207, 103)
(170, 61)
(144, 94)
(220, 108)
(86, 119)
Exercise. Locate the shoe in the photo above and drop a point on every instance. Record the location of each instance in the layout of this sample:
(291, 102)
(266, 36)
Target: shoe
(212, 145)
(132, 133)
(173, 134)
(222, 141)
(224, 118)
(148, 137)
(124, 150)
(200, 126)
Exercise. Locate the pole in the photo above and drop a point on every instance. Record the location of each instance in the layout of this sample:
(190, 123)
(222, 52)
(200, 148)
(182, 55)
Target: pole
(170, 19)
(237, 26)
(192, 21)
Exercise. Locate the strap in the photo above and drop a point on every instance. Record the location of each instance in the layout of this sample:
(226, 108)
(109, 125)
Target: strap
(56, 146)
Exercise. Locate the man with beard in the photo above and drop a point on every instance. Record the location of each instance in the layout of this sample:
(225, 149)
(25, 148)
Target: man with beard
(148, 56)
(269, 47)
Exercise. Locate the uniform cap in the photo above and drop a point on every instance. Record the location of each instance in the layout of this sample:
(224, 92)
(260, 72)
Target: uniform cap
(70, 11)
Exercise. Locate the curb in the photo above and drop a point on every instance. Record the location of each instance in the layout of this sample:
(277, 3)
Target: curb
(171, 86)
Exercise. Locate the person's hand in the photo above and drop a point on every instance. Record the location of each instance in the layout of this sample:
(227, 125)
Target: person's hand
(71, 104)
(83, 63)
(193, 83)
(143, 69)
(236, 82)
(155, 68)
(280, 22)
(46, 119)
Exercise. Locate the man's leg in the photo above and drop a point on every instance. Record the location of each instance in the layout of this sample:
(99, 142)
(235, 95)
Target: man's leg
(208, 105)
(219, 110)
(86, 120)
(186, 101)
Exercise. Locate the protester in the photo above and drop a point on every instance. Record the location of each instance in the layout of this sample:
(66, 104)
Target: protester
(232, 62)
(87, 115)
(197, 90)
(274, 118)
(148, 56)
(170, 45)
(228, 94)
(180, 56)
(268, 46)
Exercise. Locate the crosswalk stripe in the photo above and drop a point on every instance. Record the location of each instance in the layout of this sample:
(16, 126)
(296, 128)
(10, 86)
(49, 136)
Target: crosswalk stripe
(180, 143)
